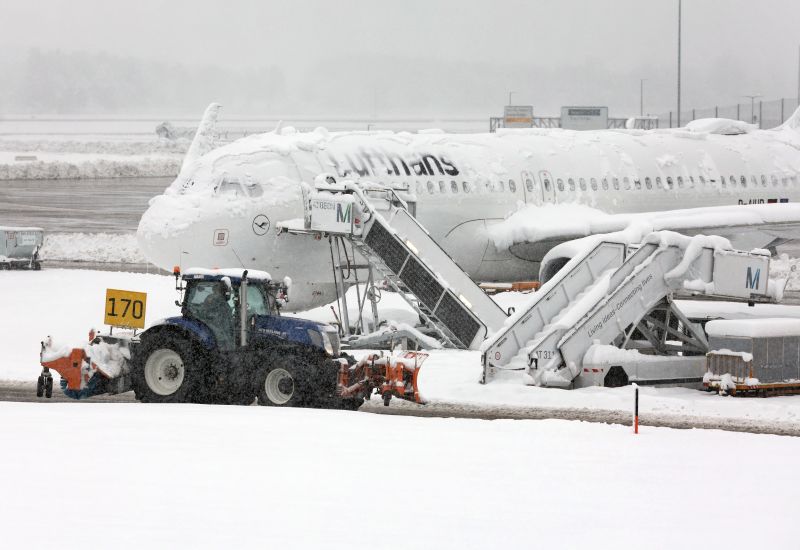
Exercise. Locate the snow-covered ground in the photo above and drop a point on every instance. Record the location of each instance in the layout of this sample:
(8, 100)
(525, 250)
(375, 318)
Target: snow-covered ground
(65, 304)
(159, 476)
(54, 158)
(92, 247)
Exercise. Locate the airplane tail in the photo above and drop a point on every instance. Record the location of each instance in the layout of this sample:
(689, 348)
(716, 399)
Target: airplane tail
(793, 122)
(203, 140)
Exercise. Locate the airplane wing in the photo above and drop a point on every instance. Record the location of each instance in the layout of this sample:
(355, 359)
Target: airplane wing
(532, 231)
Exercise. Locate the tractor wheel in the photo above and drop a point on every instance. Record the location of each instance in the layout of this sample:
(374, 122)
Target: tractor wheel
(48, 387)
(166, 369)
(40, 386)
(282, 383)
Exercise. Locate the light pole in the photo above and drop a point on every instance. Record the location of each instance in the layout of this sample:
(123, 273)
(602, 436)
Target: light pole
(641, 96)
(752, 107)
(679, 63)
(509, 97)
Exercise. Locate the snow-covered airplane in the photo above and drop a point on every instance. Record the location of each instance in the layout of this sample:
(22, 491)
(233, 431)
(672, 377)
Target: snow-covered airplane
(497, 203)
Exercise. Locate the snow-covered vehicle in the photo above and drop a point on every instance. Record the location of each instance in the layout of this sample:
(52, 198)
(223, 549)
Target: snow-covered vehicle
(229, 345)
(19, 247)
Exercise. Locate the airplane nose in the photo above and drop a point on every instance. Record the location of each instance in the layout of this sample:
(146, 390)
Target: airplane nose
(164, 227)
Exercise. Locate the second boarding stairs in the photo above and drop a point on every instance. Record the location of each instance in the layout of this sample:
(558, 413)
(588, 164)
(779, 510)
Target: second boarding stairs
(616, 294)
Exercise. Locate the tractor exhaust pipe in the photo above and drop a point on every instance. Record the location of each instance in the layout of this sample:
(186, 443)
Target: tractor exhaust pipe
(243, 310)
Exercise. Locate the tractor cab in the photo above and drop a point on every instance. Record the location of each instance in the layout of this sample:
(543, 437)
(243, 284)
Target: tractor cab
(227, 301)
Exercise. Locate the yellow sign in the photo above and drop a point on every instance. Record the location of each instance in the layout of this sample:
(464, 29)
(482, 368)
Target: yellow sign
(125, 308)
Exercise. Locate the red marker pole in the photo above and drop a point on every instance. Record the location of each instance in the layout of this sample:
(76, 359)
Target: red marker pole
(636, 409)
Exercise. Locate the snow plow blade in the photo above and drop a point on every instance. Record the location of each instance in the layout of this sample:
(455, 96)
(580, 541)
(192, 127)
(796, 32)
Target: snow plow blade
(102, 366)
(391, 376)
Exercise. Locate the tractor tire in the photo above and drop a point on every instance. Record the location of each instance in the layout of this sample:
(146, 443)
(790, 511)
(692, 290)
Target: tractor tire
(166, 369)
(48, 387)
(283, 383)
(40, 386)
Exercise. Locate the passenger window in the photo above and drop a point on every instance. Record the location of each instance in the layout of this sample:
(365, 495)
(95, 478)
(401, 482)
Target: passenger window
(420, 189)
(743, 181)
(605, 184)
(669, 182)
(733, 181)
(512, 186)
(626, 182)
(658, 182)
(593, 183)
(616, 184)
(691, 181)
(774, 179)
(648, 182)
(442, 187)
(722, 181)
(680, 181)
(763, 180)
(637, 184)
(529, 184)
(784, 180)
(500, 187)
(560, 184)
(489, 187)
(547, 184)
(431, 188)
(582, 183)
(465, 186)
(794, 180)
(571, 182)
(454, 186)
(702, 180)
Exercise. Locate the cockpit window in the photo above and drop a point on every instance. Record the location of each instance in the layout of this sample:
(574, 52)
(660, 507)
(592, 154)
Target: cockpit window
(230, 187)
(254, 189)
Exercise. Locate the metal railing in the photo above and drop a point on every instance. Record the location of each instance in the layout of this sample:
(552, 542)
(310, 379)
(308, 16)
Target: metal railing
(640, 123)
(765, 114)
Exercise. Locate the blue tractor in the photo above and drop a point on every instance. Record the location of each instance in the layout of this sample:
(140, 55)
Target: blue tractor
(231, 345)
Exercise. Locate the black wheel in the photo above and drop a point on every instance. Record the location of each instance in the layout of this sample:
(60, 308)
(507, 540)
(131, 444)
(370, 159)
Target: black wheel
(48, 387)
(40, 386)
(283, 383)
(166, 369)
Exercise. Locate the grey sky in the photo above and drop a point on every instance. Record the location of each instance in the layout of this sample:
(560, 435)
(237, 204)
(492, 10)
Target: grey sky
(550, 52)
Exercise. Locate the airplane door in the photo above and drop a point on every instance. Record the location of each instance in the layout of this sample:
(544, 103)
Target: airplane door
(548, 187)
(528, 186)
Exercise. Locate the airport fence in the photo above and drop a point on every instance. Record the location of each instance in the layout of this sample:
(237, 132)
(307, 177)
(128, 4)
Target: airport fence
(765, 114)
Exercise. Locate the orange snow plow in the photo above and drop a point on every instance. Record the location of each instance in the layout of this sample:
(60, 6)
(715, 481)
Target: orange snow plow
(391, 376)
(99, 367)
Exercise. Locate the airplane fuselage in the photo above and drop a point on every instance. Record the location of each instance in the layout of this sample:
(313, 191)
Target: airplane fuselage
(223, 210)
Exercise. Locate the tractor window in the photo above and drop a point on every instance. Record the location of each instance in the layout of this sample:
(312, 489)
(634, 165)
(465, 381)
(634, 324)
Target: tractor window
(256, 303)
(207, 301)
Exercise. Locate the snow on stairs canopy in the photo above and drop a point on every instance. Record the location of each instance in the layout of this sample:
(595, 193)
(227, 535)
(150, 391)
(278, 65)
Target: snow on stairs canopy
(606, 295)
(382, 229)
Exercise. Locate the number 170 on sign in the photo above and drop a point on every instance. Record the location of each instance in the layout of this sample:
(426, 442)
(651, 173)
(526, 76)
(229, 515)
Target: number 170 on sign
(125, 308)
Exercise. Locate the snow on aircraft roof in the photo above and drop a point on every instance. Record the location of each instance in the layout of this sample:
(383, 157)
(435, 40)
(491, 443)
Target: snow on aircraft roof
(754, 328)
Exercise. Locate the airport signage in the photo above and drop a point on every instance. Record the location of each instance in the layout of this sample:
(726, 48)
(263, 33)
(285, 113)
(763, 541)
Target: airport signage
(331, 212)
(584, 118)
(125, 308)
(740, 275)
(518, 116)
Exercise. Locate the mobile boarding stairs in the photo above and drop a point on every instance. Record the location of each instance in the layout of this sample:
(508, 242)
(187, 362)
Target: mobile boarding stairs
(613, 294)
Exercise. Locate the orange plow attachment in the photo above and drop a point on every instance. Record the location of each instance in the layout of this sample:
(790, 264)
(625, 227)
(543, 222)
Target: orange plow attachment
(391, 376)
